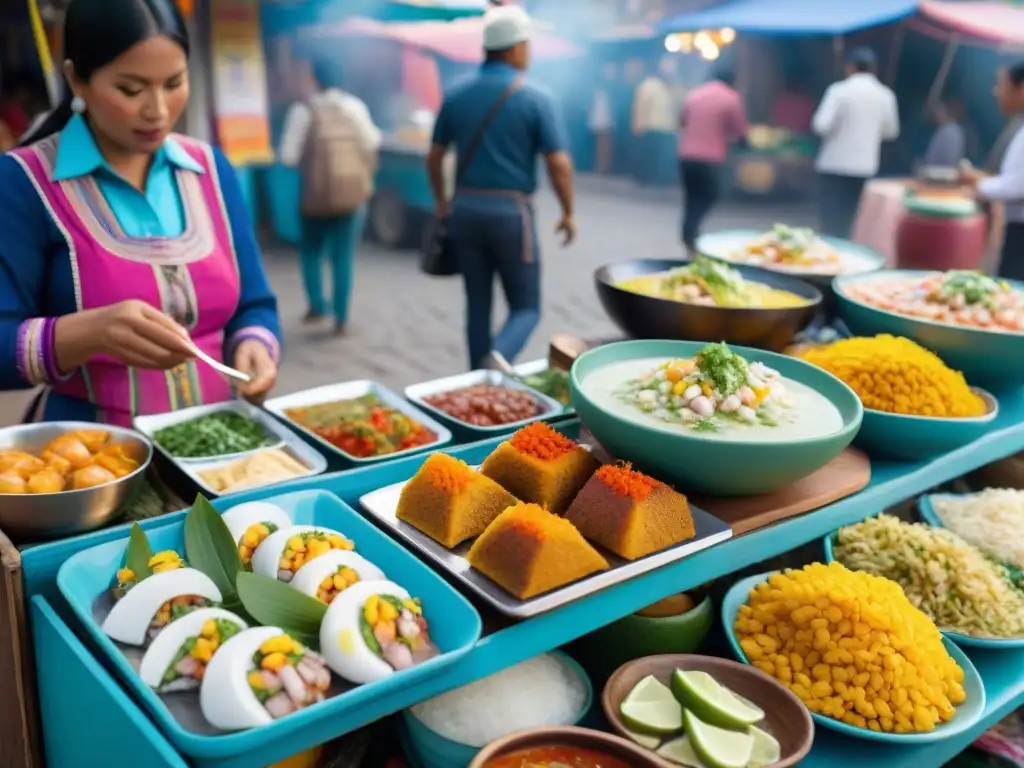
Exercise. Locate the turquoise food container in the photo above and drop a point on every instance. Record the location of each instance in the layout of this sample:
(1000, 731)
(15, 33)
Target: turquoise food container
(915, 438)
(989, 358)
(428, 749)
(696, 462)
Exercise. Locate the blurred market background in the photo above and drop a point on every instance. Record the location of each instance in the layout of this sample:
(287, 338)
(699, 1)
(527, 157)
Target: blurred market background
(399, 56)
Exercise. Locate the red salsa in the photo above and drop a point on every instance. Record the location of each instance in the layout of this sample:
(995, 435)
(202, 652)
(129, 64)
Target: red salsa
(363, 427)
(487, 405)
(556, 757)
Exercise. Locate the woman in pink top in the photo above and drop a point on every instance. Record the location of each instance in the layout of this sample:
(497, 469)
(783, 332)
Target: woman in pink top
(712, 118)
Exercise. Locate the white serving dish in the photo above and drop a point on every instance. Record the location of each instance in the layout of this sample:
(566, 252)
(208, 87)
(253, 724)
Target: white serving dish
(352, 390)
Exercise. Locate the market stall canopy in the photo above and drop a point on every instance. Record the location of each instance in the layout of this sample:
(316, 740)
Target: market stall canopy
(461, 40)
(992, 22)
(283, 16)
(791, 17)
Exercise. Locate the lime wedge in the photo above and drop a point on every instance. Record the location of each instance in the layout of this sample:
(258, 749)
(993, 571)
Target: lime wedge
(644, 740)
(681, 751)
(766, 749)
(712, 702)
(718, 747)
(652, 709)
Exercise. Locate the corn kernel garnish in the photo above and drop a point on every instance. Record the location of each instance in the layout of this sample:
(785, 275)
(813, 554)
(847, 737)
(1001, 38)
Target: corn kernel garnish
(125, 575)
(168, 560)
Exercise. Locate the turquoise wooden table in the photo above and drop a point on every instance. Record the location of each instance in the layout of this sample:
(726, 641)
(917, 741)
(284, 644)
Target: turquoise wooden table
(506, 643)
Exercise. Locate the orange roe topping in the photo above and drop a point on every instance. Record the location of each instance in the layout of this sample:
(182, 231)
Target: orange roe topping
(448, 473)
(533, 521)
(542, 442)
(623, 481)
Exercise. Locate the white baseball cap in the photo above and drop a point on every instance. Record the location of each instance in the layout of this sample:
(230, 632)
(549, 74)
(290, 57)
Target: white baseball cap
(506, 26)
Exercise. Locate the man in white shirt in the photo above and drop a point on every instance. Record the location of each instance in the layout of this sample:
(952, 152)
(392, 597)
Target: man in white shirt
(332, 140)
(654, 128)
(855, 116)
(1007, 186)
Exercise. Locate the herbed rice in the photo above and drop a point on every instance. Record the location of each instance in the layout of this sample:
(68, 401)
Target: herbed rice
(992, 520)
(953, 582)
(542, 691)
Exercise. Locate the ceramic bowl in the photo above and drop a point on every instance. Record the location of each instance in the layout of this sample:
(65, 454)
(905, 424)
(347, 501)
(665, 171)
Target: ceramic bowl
(31, 517)
(584, 738)
(647, 317)
(432, 750)
(992, 359)
(723, 245)
(786, 718)
(635, 636)
(915, 438)
(707, 465)
(967, 714)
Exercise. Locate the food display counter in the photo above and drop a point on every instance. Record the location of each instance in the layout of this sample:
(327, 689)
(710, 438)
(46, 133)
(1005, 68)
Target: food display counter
(552, 526)
(774, 161)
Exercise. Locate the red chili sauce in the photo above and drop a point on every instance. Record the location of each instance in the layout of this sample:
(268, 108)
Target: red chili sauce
(556, 757)
(486, 405)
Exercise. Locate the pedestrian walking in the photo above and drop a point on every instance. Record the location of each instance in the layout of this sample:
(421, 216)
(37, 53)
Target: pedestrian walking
(1006, 185)
(332, 139)
(499, 123)
(711, 118)
(654, 125)
(601, 122)
(853, 119)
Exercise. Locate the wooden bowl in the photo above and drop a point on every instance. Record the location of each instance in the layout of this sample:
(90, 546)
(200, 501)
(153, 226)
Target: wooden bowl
(786, 718)
(604, 743)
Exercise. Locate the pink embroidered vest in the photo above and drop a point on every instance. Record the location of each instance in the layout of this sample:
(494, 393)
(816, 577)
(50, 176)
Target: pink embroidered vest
(193, 278)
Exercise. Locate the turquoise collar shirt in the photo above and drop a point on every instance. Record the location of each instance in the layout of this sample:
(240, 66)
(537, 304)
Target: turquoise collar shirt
(156, 213)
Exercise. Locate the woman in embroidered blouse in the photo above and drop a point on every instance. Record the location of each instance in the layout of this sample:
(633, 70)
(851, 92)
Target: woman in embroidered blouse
(118, 240)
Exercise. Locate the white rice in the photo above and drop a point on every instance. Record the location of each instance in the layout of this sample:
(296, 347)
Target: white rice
(543, 691)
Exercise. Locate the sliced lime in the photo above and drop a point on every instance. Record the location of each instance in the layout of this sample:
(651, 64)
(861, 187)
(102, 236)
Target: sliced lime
(718, 747)
(681, 751)
(644, 740)
(766, 749)
(712, 702)
(652, 709)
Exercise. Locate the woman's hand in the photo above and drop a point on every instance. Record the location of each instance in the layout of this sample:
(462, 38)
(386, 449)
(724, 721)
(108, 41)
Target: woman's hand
(131, 331)
(253, 357)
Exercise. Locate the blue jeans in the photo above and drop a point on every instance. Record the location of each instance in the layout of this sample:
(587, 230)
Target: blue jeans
(496, 235)
(337, 239)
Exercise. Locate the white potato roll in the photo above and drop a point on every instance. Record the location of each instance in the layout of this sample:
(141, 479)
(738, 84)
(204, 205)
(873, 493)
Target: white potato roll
(225, 698)
(341, 640)
(161, 652)
(129, 619)
(309, 576)
(239, 519)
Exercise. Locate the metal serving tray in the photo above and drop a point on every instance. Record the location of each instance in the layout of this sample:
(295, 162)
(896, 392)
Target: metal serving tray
(382, 505)
(351, 390)
(417, 392)
(287, 440)
(539, 366)
(150, 425)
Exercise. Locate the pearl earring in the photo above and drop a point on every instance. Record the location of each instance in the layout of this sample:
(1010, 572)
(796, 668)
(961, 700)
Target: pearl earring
(78, 105)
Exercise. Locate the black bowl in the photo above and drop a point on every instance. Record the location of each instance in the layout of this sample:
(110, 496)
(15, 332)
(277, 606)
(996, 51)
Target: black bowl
(646, 317)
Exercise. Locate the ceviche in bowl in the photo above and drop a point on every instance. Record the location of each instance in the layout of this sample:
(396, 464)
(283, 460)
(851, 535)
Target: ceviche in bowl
(959, 297)
(971, 321)
(713, 418)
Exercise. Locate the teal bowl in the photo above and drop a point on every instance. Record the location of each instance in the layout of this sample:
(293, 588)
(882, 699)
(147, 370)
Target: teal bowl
(993, 359)
(692, 460)
(915, 438)
(429, 749)
(967, 714)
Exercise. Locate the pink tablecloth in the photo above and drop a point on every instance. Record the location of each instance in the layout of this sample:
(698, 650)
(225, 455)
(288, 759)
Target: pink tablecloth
(881, 208)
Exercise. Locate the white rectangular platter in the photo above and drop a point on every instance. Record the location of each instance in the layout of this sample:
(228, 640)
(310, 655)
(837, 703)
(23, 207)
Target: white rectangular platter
(382, 505)
(281, 438)
(352, 390)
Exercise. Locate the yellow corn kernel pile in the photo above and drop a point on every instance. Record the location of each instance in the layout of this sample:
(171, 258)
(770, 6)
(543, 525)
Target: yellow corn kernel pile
(332, 586)
(303, 547)
(852, 647)
(252, 538)
(896, 375)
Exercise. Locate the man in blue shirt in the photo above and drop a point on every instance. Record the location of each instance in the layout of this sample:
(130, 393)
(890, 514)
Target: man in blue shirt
(491, 217)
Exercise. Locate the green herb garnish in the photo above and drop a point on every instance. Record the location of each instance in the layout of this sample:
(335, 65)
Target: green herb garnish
(216, 434)
(974, 287)
(705, 425)
(723, 368)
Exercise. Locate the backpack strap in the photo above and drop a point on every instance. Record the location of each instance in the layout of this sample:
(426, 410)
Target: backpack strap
(474, 143)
